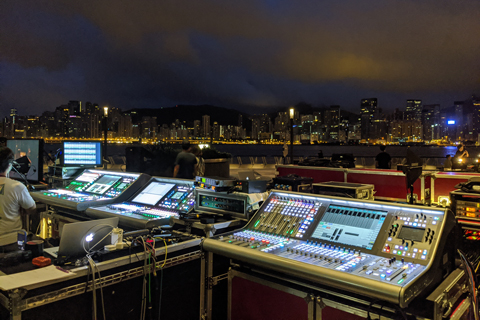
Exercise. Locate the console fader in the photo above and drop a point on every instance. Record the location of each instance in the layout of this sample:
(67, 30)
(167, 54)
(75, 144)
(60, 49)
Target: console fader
(153, 205)
(93, 187)
(382, 250)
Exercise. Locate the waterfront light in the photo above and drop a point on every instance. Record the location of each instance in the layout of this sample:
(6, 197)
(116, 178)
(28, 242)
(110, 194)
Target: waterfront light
(105, 111)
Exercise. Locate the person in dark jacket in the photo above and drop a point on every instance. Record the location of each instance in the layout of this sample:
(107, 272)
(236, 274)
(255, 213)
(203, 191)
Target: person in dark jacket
(383, 159)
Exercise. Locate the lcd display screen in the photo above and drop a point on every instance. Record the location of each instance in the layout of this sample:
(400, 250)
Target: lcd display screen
(178, 195)
(351, 226)
(103, 184)
(82, 153)
(153, 193)
(409, 233)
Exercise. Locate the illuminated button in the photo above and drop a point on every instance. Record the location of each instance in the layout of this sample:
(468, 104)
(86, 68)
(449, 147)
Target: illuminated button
(434, 222)
(424, 225)
(415, 224)
(415, 250)
(389, 239)
(394, 251)
(376, 274)
(399, 252)
(396, 246)
(423, 257)
(413, 255)
(368, 272)
(382, 276)
(425, 252)
(400, 281)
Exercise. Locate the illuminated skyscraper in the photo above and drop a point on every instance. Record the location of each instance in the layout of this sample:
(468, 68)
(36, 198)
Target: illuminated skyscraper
(206, 126)
(368, 107)
(414, 110)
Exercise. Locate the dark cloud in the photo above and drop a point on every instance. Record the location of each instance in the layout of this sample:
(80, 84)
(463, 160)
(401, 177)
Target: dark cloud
(237, 53)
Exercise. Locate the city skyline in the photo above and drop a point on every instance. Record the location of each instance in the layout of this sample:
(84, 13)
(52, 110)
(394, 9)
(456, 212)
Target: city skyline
(415, 123)
(237, 54)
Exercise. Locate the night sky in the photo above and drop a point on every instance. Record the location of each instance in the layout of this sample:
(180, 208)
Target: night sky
(237, 54)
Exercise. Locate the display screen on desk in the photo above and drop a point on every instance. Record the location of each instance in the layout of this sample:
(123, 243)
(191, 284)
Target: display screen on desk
(82, 153)
(350, 226)
(33, 149)
(103, 184)
(153, 193)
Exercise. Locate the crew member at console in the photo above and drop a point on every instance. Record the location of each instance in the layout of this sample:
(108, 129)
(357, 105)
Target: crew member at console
(14, 198)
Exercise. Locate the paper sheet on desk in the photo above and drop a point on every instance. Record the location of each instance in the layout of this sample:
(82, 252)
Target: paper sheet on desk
(26, 278)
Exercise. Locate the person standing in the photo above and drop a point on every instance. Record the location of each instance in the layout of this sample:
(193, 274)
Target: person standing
(185, 163)
(460, 157)
(14, 200)
(383, 159)
(200, 167)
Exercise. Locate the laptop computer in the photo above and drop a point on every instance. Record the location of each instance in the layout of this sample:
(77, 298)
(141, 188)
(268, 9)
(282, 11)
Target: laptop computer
(80, 236)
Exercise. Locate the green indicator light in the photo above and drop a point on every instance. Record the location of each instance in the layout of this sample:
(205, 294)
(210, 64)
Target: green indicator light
(400, 281)
(230, 241)
(291, 231)
(256, 224)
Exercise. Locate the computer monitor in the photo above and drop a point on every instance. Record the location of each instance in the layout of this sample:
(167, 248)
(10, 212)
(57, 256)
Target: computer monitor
(33, 150)
(82, 153)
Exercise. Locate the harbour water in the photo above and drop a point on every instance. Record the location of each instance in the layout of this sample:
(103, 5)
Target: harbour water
(246, 150)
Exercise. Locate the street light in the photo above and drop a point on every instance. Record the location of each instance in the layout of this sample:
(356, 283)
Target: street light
(292, 113)
(105, 132)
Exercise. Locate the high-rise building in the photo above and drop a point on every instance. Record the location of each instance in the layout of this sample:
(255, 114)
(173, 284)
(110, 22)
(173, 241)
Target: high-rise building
(368, 107)
(332, 122)
(206, 126)
(216, 131)
(414, 109)
(459, 120)
(196, 128)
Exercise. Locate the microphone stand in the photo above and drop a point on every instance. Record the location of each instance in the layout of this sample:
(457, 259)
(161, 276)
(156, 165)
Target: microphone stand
(24, 178)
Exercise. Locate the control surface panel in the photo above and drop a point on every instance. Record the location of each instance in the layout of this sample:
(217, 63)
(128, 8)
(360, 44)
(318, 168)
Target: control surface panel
(93, 187)
(153, 205)
(377, 249)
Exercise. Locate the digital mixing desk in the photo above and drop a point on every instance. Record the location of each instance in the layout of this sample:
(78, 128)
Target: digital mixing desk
(93, 187)
(387, 251)
(153, 205)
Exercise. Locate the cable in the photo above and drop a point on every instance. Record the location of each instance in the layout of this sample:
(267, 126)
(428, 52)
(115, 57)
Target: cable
(160, 294)
(472, 280)
(165, 261)
(94, 267)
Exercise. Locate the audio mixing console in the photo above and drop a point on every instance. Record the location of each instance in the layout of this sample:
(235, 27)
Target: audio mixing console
(93, 187)
(386, 251)
(159, 200)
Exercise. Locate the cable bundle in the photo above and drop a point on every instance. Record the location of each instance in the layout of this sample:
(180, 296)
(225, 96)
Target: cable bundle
(472, 277)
